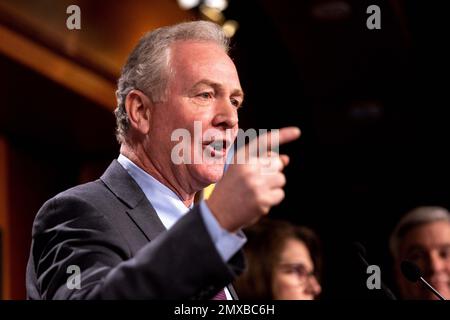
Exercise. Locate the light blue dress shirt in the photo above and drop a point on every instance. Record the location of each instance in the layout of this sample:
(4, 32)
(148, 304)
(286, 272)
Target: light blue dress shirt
(170, 208)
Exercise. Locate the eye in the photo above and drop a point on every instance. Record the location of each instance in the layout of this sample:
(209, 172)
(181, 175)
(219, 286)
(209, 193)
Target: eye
(235, 102)
(289, 269)
(298, 269)
(445, 252)
(416, 256)
(205, 95)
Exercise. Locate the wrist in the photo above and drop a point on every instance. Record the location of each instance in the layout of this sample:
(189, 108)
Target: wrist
(220, 213)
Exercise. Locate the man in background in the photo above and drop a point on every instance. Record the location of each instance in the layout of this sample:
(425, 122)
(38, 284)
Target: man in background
(423, 237)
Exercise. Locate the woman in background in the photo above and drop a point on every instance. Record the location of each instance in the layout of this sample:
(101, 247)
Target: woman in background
(283, 263)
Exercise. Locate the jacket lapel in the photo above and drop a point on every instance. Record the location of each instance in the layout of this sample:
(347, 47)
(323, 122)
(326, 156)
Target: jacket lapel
(117, 179)
(145, 217)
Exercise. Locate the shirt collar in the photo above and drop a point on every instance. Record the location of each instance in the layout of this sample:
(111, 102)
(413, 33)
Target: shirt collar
(167, 204)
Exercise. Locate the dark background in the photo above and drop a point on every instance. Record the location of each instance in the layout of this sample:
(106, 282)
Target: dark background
(372, 106)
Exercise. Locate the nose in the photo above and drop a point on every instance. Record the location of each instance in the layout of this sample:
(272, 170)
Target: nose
(226, 115)
(436, 263)
(313, 287)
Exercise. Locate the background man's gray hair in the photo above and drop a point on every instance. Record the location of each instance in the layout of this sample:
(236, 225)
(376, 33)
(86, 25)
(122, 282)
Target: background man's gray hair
(414, 218)
(148, 65)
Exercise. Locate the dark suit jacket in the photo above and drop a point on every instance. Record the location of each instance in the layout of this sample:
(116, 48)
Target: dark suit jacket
(110, 231)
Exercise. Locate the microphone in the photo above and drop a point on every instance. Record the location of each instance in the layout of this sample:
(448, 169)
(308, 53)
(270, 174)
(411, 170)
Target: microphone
(412, 272)
(362, 254)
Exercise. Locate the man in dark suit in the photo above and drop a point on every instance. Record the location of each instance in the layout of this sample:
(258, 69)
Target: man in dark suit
(135, 233)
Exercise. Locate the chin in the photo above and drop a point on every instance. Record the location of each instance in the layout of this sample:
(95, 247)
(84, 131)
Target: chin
(209, 174)
(444, 291)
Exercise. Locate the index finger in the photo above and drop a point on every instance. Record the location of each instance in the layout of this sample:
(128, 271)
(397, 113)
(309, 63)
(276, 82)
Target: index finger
(271, 140)
(288, 134)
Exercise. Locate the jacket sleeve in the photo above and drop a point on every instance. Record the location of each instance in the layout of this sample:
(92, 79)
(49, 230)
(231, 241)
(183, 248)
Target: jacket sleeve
(181, 263)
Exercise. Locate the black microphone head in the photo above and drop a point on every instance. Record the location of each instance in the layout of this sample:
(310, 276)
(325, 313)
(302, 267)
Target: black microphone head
(411, 271)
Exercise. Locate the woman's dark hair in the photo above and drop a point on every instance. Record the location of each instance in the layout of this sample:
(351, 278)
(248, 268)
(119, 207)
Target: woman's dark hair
(265, 243)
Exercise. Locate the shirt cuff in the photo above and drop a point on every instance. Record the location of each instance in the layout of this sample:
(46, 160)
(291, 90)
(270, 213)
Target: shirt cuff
(226, 243)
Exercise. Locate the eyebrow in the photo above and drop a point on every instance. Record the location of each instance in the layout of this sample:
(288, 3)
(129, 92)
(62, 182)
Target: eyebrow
(287, 263)
(297, 265)
(216, 85)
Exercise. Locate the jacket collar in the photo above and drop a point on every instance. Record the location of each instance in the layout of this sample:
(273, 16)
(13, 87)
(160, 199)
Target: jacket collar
(140, 210)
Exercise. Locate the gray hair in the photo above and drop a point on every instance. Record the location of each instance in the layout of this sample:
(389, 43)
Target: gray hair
(148, 65)
(414, 218)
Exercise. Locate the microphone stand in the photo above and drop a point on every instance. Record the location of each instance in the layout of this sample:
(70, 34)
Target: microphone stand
(426, 284)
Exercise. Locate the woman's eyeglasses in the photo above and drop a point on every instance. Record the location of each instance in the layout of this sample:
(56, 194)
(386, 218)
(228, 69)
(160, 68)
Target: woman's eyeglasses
(297, 268)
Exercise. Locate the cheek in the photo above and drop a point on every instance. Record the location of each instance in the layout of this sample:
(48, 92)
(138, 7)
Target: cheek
(412, 290)
(176, 114)
(164, 123)
(283, 284)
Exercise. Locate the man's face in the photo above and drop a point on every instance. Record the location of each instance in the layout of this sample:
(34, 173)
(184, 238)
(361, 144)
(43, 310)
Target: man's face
(428, 246)
(203, 87)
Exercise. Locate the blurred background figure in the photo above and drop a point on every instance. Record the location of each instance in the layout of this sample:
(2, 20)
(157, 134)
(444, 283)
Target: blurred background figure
(423, 237)
(284, 263)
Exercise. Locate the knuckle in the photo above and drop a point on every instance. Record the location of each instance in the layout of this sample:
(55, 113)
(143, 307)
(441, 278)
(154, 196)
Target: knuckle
(282, 179)
(279, 195)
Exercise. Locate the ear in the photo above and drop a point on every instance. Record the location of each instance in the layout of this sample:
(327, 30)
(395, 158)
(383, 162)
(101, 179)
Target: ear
(138, 105)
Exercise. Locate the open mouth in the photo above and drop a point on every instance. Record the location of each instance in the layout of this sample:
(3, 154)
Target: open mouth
(441, 280)
(215, 148)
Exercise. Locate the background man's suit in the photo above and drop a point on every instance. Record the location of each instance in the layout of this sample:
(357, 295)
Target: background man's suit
(109, 230)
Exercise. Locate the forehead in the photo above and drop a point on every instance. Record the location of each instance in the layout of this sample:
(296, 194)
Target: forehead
(192, 61)
(295, 251)
(428, 236)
